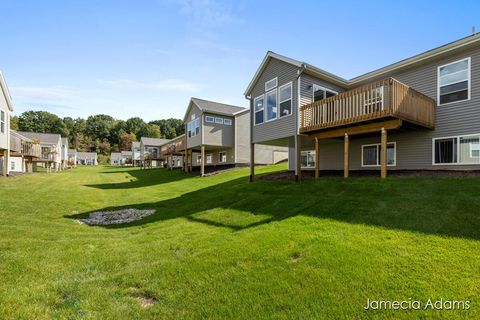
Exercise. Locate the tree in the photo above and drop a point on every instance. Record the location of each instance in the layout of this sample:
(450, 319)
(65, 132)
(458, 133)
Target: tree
(43, 122)
(14, 123)
(170, 128)
(99, 126)
(137, 126)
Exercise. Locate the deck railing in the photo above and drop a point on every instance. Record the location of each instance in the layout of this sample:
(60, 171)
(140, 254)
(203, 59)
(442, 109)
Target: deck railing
(173, 147)
(24, 147)
(382, 99)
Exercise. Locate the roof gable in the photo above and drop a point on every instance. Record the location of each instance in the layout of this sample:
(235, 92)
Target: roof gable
(5, 92)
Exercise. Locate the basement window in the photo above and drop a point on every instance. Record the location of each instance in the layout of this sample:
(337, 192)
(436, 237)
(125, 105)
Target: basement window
(454, 82)
(457, 150)
(371, 155)
(222, 157)
(308, 159)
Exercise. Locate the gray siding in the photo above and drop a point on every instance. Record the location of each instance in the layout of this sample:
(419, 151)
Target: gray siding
(197, 140)
(242, 138)
(282, 127)
(218, 134)
(306, 88)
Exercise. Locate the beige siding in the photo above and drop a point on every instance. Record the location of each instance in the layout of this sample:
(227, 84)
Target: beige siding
(216, 134)
(242, 138)
(197, 140)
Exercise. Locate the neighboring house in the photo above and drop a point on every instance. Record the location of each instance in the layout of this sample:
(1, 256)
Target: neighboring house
(64, 153)
(51, 146)
(115, 159)
(150, 155)
(23, 152)
(87, 158)
(6, 107)
(174, 152)
(136, 153)
(126, 157)
(220, 135)
(421, 113)
(72, 157)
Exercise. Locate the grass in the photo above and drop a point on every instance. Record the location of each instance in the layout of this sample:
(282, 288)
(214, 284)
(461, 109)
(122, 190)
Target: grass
(219, 247)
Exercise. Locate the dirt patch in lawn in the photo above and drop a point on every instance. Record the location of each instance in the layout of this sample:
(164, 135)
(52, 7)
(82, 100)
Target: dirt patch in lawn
(103, 218)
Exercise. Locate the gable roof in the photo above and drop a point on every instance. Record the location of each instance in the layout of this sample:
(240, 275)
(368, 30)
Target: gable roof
(153, 141)
(86, 155)
(44, 138)
(6, 93)
(213, 107)
(322, 74)
(136, 144)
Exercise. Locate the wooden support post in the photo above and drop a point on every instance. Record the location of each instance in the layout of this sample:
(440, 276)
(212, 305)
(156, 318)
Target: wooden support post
(346, 156)
(383, 154)
(202, 162)
(190, 161)
(252, 162)
(317, 159)
(299, 159)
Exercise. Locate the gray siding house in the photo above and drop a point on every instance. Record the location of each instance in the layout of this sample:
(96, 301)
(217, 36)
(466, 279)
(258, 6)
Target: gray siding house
(6, 107)
(150, 155)
(422, 113)
(87, 158)
(218, 135)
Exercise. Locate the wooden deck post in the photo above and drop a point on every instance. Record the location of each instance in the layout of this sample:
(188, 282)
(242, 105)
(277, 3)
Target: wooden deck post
(252, 162)
(190, 162)
(299, 159)
(383, 154)
(346, 156)
(317, 159)
(202, 162)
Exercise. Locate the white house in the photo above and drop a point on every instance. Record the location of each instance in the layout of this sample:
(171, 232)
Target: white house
(72, 157)
(64, 153)
(6, 107)
(116, 159)
(87, 158)
(51, 144)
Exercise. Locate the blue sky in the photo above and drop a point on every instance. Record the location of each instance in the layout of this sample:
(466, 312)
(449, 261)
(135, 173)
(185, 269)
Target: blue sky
(147, 58)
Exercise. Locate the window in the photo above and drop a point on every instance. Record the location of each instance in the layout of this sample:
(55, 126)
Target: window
(209, 119)
(12, 165)
(308, 159)
(209, 158)
(222, 157)
(199, 158)
(219, 120)
(371, 155)
(269, 85)
(320, 93)
(193, 128)
(271, 105)
(2, 121)
(259, 109)
(285, 100)
(454, 81)
(227, 122)
(457, 150)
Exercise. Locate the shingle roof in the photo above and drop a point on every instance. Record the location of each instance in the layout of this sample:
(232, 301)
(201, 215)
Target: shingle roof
(217, 107)
(49, 138)
(153, 141)
(86, 155)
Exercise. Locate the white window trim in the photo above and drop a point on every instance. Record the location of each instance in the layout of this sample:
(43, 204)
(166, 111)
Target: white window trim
(265, 105)
(209, 155)
(476, 149)
(271, 80)
(255, 112)
(307, 151)
(220, 120)
(220, 157)
(322, 88)
(199, 159)
(379, 149)
(458, 150)
(468, 79)
(227, 124)
(280, 102)
(212, 117)
(4, 121)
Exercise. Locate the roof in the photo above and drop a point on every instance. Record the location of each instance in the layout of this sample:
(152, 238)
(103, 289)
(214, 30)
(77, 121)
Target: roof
(153, 141)
(64, 140)
(88, 155)
(16, 133)
(136, 144)
(6, 93)
(213, 107)
(44, 138)
(419, 58)
(126, 153)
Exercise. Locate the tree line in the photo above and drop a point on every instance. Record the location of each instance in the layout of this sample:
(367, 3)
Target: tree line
(100, 133)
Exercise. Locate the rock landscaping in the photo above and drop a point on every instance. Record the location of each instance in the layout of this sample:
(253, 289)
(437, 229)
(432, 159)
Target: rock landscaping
(103, 218)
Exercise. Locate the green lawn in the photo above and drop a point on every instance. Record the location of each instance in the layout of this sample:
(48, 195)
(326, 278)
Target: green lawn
(219, 247)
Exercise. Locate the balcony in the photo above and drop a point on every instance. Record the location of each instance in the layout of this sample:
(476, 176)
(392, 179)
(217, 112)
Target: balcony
(23, 147)
(30, 149)
(385, 100)
(174, 147)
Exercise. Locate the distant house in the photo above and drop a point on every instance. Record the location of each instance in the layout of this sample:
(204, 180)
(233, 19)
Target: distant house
(72, 157)
(150, 155)
(64, 153)
(136, 153)
(23, 152)
(6, 107)
(115, 159)
(126, 157)
(173, 152)
(87, 158)
(51, 149)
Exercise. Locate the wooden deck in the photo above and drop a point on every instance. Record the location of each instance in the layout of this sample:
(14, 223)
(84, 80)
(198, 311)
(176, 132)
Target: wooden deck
(19, 146)
(376, 102)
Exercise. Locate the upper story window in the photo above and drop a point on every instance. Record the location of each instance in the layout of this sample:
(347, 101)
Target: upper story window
(271, 105)
(454, 81)
(269, 85)
(2, 121)
(209, 119)
(285, 97)
(219, 120)
(193, 128)
(227, 122)
(259, 109)
(320, 93)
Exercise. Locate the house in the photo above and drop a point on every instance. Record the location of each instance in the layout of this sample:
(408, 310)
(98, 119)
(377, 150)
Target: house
(72, 158)
(6, 107)
(115, 159)
(174, 152)
(420, 113)
(218, 135)
(64, 153)
(51, 146)
(126, 157)
(87, 158)
(136, 153)
(150, 155)
(23, 152)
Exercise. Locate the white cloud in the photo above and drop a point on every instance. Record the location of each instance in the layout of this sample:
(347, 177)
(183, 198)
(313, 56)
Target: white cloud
(162, 85)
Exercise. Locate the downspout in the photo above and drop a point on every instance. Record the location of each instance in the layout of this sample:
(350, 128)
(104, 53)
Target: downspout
(297, 126)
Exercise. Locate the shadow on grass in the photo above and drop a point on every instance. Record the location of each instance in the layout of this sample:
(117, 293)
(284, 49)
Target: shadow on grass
(439, 206)
(142, 178)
